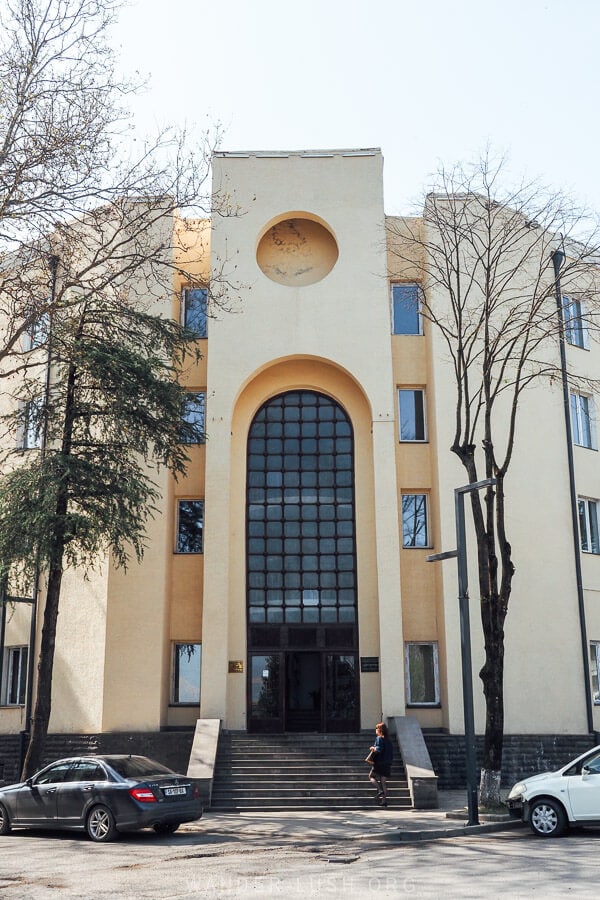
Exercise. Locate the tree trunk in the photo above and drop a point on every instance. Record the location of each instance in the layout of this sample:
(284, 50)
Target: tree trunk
(41, 715)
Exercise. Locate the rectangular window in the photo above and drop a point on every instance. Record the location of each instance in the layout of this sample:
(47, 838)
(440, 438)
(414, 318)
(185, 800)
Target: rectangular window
(193, 418)
(406, 309)
(31, 424)
(190, 526)
(194, 311)
(38, 331)
(422, 677)
(582, 420)
(187, 660)
(595, 670)
(411, 404)
(14, 676)
(575, 325)
(414, 520)
(588, 525)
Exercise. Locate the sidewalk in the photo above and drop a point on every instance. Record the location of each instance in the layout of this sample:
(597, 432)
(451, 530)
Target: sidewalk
(403, 825)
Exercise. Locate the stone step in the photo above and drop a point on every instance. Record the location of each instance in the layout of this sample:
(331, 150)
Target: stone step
(298, 771)
(280, 792)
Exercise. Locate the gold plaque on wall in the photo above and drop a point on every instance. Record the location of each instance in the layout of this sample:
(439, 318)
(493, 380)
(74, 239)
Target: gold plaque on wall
(236, 665)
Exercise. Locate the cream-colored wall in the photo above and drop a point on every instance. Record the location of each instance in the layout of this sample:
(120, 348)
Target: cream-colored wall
(81, 635)
(543, 667)
(341, 323)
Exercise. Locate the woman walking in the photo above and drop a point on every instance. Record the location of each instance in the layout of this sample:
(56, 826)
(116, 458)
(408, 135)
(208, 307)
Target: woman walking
(383, 755)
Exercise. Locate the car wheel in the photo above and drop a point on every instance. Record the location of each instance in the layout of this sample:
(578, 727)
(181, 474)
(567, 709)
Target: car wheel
(547, 818)
(166, 827)
(100, 824)
(4, 820)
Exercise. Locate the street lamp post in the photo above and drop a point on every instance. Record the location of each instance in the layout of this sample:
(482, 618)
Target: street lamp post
(465, 639)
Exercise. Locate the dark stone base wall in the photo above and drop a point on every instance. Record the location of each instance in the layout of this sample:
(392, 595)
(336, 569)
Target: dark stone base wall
(524, 755)
(171, 748)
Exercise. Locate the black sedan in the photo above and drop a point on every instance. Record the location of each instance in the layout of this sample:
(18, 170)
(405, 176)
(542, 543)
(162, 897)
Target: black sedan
(102, 795)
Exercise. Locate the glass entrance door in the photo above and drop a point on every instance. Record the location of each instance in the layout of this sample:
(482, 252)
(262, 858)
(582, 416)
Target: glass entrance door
(303, 691)
(304, 694)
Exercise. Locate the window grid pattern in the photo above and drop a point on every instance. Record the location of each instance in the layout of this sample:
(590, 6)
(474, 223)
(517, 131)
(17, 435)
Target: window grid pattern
(300, 512)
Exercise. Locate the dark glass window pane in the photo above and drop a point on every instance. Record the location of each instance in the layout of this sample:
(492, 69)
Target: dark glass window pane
(310, 529)
(405, 309)
(195, 311)
(412, 415)
(414, 520)
(310, 614)
(310, 580)
(193, 418)
(190, 522)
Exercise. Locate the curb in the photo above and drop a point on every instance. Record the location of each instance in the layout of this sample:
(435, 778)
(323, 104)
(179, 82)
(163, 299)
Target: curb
(456, 831)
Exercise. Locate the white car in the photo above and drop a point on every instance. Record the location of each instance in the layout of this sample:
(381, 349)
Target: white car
(552, 801)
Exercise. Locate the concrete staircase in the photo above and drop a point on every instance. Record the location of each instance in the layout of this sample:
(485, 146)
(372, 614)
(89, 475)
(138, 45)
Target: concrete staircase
(298, 772)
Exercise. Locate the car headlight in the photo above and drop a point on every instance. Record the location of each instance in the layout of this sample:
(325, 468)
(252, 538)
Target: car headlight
(517, 790)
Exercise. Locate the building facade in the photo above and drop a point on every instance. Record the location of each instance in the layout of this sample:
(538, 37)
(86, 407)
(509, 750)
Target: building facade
(286, 585)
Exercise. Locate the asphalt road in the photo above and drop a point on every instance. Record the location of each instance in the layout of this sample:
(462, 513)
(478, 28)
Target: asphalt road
(506, 864)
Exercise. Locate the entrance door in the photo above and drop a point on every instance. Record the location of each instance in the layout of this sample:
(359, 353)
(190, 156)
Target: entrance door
(304, 694)
(303, 691)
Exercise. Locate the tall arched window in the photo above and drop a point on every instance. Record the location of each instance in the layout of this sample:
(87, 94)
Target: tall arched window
(300, 512)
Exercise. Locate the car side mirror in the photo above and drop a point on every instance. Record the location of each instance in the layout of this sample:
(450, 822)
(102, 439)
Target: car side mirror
(29, 782)
(585, 771)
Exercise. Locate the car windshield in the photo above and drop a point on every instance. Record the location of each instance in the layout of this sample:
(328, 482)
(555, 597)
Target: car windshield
(136, 766)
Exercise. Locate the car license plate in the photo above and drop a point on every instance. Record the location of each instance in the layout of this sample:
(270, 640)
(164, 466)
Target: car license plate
(174, 791)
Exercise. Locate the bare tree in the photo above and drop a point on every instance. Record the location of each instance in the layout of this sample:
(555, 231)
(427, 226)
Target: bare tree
(483, 255)
(69, 155)
(90, 219)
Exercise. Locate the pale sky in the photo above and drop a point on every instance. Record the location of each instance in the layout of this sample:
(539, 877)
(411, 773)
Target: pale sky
(428, 81)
